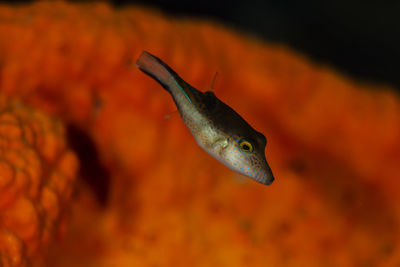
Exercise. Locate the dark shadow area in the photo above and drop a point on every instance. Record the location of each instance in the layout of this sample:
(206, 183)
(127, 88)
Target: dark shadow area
(91, 170)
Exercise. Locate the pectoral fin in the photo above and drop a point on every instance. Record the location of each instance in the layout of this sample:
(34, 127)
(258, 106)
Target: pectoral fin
(220, 144)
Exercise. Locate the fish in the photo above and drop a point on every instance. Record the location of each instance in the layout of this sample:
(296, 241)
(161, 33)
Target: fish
(215, 126)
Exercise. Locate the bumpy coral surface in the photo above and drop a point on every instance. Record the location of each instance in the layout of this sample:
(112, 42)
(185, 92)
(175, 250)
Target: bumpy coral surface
(333, 144)
(36, 176)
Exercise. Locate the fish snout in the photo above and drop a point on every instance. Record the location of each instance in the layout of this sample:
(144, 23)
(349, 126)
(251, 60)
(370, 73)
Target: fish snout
(269, 178)
(265, 176)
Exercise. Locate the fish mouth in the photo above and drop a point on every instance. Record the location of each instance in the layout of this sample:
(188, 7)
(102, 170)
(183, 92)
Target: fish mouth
(269, 179)
(264, 176)
(269, 176)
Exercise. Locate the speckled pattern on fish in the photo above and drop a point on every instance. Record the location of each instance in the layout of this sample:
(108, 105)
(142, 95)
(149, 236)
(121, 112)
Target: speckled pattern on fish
(217, 128)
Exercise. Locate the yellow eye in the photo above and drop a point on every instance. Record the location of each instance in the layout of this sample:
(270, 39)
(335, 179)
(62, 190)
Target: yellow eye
(245, 146)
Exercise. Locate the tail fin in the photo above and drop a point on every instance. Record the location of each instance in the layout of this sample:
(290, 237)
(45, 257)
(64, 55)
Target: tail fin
(155, 68)
(161, 72)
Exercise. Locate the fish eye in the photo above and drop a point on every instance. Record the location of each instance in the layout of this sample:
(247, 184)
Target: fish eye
(245, 146)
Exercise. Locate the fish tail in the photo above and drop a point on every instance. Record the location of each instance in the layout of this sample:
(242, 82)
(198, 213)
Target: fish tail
(161, 72)
(155, 68)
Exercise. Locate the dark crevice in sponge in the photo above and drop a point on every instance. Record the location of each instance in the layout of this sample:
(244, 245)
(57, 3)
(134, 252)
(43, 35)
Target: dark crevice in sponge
(91, 170)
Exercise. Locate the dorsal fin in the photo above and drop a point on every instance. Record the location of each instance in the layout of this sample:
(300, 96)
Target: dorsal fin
(213, 82)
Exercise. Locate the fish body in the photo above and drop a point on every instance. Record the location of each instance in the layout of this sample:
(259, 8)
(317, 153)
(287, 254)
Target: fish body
(216, 127)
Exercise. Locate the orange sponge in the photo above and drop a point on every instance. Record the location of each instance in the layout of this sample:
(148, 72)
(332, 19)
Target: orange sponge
(37, 172)
(333, 145)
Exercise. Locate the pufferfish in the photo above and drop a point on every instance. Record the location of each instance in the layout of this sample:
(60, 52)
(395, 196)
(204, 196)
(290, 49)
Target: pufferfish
(216, 127)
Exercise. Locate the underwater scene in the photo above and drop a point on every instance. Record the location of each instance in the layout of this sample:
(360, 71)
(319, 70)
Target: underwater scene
(102, 166)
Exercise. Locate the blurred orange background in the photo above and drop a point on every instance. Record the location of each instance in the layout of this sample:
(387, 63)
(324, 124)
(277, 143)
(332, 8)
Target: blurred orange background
(146, 194)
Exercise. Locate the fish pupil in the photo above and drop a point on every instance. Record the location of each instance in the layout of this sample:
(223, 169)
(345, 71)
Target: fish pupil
(246, 147)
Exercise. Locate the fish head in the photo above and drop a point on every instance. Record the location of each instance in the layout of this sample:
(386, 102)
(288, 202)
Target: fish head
(246, 155)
